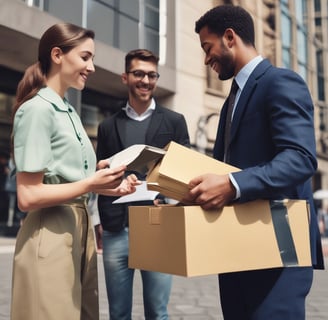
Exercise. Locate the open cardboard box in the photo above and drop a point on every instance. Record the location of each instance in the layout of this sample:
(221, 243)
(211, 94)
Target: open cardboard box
(171, 175)
(188, 241)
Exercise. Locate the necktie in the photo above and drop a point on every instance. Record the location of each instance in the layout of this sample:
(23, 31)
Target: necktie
(231, 102)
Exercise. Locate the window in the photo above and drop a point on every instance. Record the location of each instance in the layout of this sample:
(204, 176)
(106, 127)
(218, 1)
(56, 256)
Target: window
(286, 39)
(35, 3)
(300, 11)
(69, 11)
(123, 24)
(302, 52)
(294, 37)
(320, 75)
(127, 24)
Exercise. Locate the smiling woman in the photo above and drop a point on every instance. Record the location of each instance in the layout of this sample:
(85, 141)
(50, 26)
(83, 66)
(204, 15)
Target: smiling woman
(56, 170)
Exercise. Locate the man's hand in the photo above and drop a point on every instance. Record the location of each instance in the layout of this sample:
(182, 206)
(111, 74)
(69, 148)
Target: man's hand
(210, 191)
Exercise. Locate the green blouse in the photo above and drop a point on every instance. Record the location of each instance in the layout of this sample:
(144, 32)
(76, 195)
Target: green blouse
(49, 137)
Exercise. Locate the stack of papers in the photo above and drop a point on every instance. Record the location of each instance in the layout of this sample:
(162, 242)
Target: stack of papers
(141, 194)
(138, 157)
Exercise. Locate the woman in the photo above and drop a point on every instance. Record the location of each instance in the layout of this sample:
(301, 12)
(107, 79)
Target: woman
(55, 264)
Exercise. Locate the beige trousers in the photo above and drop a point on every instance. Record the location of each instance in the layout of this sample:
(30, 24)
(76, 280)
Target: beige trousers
(55, 266)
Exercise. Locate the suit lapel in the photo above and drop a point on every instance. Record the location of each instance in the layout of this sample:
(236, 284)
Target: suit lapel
(154, 124)
(246, 94)
(248, 90)
(218, 150)
(120, 127)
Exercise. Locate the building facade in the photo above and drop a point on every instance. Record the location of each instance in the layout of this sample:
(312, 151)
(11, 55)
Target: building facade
(290, 33)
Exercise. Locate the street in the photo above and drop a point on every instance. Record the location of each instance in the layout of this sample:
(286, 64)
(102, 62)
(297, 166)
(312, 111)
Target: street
(191, 298)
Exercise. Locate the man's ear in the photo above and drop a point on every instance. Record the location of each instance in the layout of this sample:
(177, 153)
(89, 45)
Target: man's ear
(124, 78)
(56, 55)
(229, 36)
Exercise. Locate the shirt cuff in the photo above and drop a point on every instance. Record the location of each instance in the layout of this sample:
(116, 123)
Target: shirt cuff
(235, 184)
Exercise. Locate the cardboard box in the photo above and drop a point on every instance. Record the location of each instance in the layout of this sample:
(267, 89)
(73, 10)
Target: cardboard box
(171, 175)
(188, 241)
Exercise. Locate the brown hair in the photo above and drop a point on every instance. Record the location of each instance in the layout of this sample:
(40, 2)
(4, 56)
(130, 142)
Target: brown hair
(140, 54)
(65, 36)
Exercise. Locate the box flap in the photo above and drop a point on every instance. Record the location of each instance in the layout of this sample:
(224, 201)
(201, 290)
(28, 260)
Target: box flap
(171, 175)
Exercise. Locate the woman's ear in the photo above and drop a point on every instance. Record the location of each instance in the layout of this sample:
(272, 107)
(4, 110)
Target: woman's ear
(56, 55)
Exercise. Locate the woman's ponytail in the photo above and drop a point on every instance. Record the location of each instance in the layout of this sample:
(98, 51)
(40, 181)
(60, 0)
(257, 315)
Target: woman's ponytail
(32, 81)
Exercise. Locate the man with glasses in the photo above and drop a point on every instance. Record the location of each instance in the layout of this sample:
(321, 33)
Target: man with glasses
(142, 121)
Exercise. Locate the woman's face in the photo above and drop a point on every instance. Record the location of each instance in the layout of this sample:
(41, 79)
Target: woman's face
(77, 64)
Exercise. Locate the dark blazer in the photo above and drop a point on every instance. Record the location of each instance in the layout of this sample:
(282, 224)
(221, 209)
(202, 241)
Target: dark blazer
(165, 126)
(273, 141)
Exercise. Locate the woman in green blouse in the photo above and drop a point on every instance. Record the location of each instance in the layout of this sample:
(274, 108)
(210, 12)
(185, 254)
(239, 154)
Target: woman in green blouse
(55, 264)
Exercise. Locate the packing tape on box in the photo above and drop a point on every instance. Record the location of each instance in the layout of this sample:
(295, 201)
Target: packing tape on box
(283, 233)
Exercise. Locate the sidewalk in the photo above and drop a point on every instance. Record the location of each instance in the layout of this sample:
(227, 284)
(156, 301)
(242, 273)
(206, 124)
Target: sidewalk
(194, 298)
(7, 244)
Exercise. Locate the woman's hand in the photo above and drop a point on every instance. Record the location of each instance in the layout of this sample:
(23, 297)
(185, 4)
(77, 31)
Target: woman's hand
(107, 178)
(127, 186)
(102, 164)
(119, 186)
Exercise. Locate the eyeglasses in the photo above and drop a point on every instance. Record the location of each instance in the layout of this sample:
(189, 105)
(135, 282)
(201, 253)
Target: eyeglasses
(139, 75)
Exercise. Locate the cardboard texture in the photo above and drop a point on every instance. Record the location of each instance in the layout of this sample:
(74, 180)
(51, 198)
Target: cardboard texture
(171, 175)
(188, 241)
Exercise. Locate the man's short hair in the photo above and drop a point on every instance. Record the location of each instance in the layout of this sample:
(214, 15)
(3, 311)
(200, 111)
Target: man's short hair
(140, 54)
(223, 17)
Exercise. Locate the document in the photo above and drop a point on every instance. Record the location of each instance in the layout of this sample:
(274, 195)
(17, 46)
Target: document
(138, 157)
(141, 194)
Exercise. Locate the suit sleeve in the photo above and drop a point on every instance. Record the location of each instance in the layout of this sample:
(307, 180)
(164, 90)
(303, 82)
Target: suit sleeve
(285, 169)
(101, 150)
(181, 134)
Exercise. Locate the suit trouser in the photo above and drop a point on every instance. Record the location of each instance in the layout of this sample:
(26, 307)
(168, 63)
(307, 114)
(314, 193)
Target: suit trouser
(55, 266)
(275, 294)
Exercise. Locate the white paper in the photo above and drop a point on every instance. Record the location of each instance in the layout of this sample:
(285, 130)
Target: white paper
(141, 194)
(136, 157)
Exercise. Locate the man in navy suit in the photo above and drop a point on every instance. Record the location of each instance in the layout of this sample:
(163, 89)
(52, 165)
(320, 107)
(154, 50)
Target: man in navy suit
(142, 121)
(272, 140)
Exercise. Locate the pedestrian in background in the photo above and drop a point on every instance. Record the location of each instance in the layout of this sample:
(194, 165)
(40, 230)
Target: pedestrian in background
(142, 121)
(270, 136)
(55, 264)
(10, 187)
(4, 159)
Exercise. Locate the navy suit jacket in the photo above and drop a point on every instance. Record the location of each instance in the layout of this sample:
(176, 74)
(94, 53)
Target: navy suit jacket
(165, 126)
(273, 140)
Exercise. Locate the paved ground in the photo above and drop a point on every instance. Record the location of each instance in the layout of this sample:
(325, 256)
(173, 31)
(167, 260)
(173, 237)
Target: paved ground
(191, 299)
